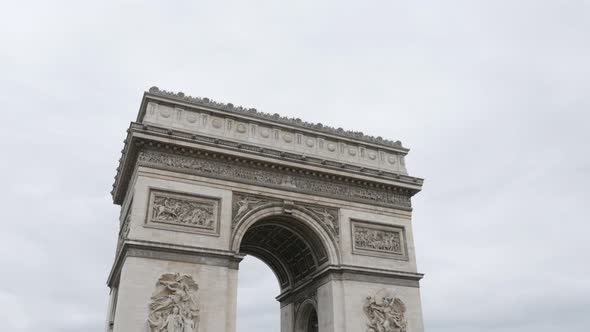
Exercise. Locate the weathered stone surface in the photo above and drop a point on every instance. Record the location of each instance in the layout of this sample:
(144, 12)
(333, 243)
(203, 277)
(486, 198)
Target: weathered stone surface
(183, 212)
(378, 239)
(338, 238)
(225, 125)
(252, 112)
(274, 178)
(174, 305)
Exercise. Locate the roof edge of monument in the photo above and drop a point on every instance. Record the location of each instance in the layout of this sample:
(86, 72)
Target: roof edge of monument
(297, 122)
(158, 138)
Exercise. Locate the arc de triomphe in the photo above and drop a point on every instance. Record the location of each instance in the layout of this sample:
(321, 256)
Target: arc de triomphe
(202, 184)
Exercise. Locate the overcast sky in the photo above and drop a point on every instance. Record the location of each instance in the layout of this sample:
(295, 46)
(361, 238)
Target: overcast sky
(492, 98)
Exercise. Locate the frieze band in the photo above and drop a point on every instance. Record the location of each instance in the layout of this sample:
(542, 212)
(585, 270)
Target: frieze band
(274, 178)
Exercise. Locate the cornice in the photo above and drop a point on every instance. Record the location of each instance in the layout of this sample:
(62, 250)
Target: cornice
(352, 273)
(224, 258)
(396, 186)
(277, 154)
(163, 251)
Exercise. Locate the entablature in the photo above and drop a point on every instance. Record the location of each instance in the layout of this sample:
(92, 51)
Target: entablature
(216, 120)
(168, 149)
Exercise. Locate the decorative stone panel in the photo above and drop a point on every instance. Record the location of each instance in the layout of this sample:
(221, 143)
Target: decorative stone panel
(378, 240)
(370, 152)
(124, 229)
(385, 313)
(327, 216)
(242, 203)
(271, 177)
(174, 306)
(183, 212)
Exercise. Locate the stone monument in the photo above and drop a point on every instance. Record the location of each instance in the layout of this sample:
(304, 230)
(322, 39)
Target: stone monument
(201, 184)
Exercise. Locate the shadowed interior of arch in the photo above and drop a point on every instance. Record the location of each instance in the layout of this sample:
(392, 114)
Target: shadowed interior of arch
(290, 248)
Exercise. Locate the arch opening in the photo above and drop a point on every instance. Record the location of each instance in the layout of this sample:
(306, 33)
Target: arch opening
(257, 309)
(312, 322)
(292, 250)
(307, 318)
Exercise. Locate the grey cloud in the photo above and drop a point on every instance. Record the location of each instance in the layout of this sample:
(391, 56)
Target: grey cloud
(491, 96)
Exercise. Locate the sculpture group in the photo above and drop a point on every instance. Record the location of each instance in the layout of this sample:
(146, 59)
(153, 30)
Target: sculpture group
(385, 314)
(174, 306)
(176, 211)
(377, 239)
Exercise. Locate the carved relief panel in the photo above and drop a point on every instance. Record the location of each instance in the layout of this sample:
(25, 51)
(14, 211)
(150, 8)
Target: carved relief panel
(385, 313)
(327, 216)
(270, 177)
(242, 203)
(378, 240)
(183, 212)
(174, 305)
(124, 228)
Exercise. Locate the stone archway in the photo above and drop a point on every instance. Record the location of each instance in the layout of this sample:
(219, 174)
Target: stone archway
(293, 252)
(287, 237)
(305, 221)
(201, 184)
(291, 240)
(306, 319)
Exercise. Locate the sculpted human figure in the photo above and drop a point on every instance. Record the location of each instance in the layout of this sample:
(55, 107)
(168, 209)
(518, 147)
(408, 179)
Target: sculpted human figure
(245, 203)
(179, 294)
(190, 325)
(166, 208)
(174, 322)
(174, 306)
(201, 217)
(156, 322)
(387, 316)
(208, 220)
(374, 314)
(327, 217)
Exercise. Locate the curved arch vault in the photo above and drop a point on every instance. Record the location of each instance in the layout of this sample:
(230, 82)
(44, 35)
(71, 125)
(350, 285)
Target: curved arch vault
(202, 184)
(293, 252)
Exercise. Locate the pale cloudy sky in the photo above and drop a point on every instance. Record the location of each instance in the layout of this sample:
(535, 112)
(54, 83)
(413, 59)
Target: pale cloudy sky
(491, 96)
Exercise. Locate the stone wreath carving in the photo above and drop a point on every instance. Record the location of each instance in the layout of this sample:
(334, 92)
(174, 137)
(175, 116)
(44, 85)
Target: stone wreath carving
(385, 313)
(174, 307)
